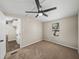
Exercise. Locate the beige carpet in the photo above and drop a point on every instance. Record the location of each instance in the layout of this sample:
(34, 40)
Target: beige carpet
(12, 45)
(44, 50)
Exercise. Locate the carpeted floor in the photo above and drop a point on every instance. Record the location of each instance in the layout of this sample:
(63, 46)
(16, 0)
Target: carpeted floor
(44, 50)
(12, 45)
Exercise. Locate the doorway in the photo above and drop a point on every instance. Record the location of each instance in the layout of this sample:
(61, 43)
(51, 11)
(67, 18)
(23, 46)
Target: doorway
(13, 37)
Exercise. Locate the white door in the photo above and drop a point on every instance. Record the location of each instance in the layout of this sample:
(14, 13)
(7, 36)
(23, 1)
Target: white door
(78, 32)
(2, 36)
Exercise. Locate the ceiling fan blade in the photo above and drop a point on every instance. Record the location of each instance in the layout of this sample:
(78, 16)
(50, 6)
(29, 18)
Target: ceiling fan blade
(49, 9)
(38, 4)
(45, 14)
(31, 12)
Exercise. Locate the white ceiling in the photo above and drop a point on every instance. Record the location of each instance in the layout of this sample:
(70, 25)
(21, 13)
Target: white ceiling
(18, 7)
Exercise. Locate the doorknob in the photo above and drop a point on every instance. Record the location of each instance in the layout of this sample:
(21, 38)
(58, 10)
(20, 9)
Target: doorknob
(1, 40)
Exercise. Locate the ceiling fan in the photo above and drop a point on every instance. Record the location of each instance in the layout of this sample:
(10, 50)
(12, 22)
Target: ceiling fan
(40, 12)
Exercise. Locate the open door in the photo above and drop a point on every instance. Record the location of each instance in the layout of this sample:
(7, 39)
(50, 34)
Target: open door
(2, 36)
(78, 32)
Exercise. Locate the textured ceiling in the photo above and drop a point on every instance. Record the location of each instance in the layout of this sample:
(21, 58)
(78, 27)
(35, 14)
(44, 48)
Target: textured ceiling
(18, 7)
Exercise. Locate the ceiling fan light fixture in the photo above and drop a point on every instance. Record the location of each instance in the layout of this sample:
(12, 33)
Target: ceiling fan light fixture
(40, 14)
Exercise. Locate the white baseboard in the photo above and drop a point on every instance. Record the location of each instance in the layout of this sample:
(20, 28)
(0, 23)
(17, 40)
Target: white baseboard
(30, 43)
(64, 45)
(49, 41)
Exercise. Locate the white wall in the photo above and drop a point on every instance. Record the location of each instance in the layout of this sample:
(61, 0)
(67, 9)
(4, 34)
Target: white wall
(11, 32)
(31, 31)
(68, 35)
